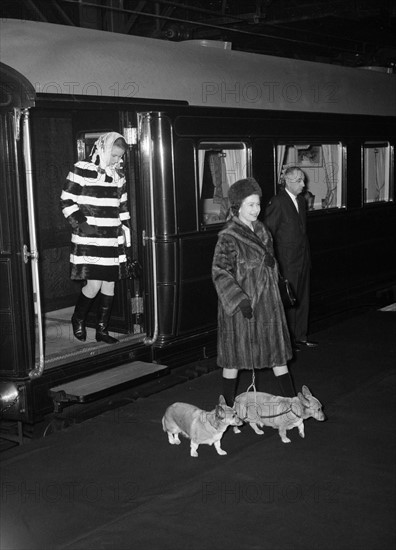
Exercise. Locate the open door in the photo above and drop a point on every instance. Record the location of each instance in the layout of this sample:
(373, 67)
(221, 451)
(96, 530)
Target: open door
(17, 346)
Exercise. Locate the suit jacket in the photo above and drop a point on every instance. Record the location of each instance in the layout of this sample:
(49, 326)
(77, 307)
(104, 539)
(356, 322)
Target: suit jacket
(288, 229)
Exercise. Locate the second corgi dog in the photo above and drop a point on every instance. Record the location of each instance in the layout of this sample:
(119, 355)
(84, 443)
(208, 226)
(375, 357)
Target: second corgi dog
(201, 427)
(282, 413)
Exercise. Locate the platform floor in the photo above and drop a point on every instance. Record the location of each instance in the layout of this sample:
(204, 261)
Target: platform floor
(114, 482)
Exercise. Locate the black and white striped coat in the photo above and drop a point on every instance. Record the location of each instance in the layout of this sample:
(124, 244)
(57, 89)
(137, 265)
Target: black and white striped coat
(91, 195)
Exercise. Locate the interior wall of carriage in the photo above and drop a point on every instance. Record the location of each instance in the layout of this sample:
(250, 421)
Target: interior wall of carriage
(349, 167)
(60, 137)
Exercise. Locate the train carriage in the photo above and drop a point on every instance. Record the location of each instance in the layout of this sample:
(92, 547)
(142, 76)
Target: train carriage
(195, 118)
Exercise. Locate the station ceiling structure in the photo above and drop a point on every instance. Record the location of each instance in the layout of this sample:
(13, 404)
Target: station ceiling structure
(344, 32)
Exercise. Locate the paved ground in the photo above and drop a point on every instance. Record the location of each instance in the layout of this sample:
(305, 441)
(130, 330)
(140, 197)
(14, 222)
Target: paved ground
(114, 482)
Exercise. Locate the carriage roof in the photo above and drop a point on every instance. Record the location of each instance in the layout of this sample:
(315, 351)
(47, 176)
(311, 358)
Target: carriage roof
(72, 60)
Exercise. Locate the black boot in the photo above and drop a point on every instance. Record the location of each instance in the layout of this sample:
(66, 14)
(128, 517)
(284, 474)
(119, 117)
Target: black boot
(229, 390)
(286, 385)
(79, 317)
(103, 318)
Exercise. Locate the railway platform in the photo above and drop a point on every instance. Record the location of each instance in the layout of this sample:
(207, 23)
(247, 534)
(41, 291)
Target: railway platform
(114, 482)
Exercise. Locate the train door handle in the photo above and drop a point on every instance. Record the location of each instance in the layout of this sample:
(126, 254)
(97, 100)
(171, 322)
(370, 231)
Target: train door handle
(26, 254)
(145, 238)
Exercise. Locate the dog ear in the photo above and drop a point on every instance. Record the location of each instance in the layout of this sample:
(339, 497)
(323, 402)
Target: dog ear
(222, 401)
(306, 391)
(303, 399)
(220, 412)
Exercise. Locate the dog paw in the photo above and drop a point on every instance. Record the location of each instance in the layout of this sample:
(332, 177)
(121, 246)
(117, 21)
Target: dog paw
(221, 452)
(194, 454)
(286, 440)
(237, 430)
(174, 440)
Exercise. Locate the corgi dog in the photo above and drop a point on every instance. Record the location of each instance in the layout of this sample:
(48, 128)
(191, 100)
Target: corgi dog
(201, 427)
(282, 413)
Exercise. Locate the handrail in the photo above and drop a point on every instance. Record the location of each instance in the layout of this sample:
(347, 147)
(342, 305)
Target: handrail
(151, 340)
(33, 254)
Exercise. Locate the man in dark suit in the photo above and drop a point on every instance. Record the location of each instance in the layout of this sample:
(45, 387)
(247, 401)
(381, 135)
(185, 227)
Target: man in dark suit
(285, 217)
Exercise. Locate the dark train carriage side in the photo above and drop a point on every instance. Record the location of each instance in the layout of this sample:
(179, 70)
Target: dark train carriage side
(190, 134)
(352, 239)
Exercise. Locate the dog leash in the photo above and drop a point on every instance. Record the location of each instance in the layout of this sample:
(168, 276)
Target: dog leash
(280, 414)
(274, 415)
(252, 385)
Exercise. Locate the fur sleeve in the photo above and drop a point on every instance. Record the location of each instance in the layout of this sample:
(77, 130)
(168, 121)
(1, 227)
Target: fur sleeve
(224, 275)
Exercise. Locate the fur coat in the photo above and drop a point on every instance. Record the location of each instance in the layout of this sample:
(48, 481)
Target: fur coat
(242, 269)
(94, 196)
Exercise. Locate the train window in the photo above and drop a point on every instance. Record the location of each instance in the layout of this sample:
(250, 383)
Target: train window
(376, 171)
(322, 166)
(220, 165)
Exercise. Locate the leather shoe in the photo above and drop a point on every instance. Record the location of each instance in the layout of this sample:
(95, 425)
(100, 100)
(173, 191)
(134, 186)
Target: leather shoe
(307, 343)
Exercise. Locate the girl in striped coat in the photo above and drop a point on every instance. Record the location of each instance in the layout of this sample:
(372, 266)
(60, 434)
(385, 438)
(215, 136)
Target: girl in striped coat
(94, 201)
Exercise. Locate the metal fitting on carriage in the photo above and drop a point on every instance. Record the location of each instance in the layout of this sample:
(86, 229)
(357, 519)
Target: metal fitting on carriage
(12, 400)
(137, 313)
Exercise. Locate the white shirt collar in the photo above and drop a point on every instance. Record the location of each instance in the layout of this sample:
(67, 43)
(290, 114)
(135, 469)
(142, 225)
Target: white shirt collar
(293, 197)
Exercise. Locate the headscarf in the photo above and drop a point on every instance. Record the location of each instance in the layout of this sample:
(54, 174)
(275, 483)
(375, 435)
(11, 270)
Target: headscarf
(101, 151)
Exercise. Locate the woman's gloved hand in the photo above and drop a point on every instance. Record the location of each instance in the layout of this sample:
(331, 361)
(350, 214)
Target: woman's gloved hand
(246, 308)
(87, 229)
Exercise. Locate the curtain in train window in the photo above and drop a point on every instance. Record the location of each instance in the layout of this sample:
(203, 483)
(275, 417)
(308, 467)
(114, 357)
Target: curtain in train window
(376, 168)
(322, 166)
(220, 165)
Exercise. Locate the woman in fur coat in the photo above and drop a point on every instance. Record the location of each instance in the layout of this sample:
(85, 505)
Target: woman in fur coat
(252, 328)
(94, 201)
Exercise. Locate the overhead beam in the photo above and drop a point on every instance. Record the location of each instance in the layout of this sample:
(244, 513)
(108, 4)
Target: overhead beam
(32, 6)
(65, 17)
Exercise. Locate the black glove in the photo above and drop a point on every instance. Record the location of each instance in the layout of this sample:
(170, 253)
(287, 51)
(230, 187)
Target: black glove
(246, 308)
(87, 229)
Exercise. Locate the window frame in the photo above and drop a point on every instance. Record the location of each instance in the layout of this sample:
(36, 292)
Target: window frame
(208, 144)
(390, 164)
(317, 164)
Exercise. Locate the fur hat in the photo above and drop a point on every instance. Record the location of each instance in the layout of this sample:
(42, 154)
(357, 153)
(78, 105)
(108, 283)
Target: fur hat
(241, 189)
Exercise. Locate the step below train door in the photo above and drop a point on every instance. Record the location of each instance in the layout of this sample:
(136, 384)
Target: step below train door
(157, 212)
